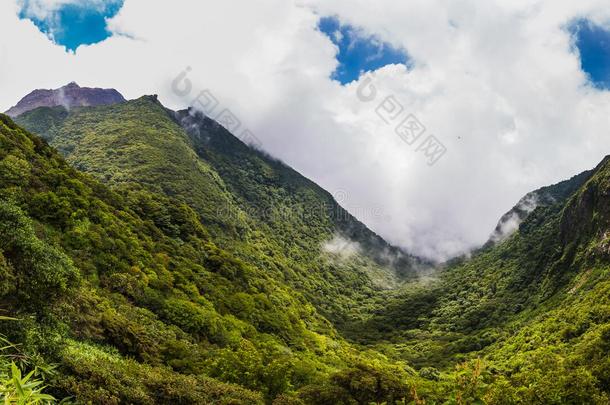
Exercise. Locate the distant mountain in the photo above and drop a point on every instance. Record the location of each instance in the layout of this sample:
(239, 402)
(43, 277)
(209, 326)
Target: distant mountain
(68, 96)
(543, 197)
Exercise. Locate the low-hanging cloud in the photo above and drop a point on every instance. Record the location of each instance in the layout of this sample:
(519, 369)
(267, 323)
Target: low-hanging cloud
(499, 83)
(341, 247)
(509, 222)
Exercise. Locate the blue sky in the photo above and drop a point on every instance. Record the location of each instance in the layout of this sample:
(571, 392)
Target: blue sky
(593, 43)
(358, 52)
(74, 23)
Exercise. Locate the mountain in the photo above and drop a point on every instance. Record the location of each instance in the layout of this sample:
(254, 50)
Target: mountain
(241, 167)
(76, 266)
(127, 292)
(156, 258)
(543, 197)
(69, 96)
(530, 314)
(250, 202)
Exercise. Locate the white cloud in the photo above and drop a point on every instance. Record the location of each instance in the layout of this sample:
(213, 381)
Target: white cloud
(497, 82)
(509, 223)
(340, 246)
(45, 9)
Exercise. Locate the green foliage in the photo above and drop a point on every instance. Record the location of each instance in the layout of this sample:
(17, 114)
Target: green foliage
(190, 268)
(40, 272)
(136, 272)
(19, 389)
(105, 377)
(14, 171)
(267, 213)
(23, 390)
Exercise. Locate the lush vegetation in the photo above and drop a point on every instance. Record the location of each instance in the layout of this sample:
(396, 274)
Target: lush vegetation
(254, 206)
(166, 262)
(534, 308)
(125, 289)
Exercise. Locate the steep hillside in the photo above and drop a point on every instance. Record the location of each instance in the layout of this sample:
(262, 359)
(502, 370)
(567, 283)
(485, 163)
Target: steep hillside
(200, 261)
(135, 144)
(279, 198)
(534, 307)
(253, 205)
(125, 291)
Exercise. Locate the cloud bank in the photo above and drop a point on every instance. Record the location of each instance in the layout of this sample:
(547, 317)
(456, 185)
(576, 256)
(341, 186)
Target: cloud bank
(499, 83)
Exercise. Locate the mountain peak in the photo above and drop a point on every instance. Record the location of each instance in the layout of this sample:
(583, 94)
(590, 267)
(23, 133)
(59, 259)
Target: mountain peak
(69, 96)
(151, 97)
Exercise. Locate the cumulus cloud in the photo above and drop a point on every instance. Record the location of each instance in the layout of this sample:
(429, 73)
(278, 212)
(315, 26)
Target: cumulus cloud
(340, 246)
(499, 83)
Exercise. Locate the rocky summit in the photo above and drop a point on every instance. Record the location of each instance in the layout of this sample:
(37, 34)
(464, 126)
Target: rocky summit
(69, 96)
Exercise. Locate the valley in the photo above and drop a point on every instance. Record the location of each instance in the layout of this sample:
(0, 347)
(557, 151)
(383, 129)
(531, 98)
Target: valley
(152, 257)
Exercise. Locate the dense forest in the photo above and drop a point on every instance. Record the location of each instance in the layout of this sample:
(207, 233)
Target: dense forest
(148, 256)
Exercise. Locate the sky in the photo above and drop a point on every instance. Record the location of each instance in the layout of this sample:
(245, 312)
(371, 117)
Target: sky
(428, 119)
(358, 52)
(593, 44)
(71, 23)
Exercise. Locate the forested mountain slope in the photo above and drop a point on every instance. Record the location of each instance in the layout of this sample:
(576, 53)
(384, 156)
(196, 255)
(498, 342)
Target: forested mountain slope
(543, 197)
(164, 261)
(126, 292)
(535, 307)
(253, 205)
